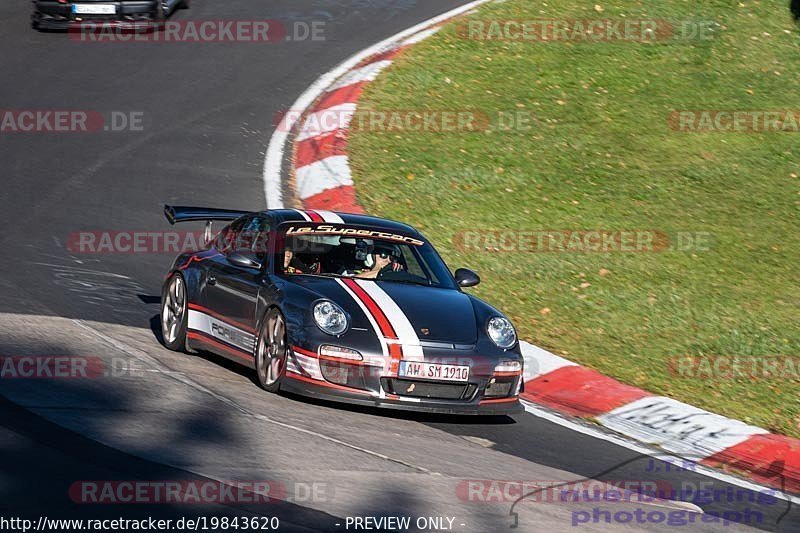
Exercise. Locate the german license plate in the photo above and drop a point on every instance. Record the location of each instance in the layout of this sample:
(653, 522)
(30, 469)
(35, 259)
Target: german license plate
(94, 9)
(433, 371)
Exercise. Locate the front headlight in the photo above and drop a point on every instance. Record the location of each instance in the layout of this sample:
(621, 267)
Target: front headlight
(330, 318)
(501, 332)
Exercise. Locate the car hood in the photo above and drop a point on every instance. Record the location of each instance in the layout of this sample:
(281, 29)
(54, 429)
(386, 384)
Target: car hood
(437, 315)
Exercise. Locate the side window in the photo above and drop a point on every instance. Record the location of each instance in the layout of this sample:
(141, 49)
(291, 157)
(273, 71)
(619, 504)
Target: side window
(254, 236)
(411, 262)
(226, 240)
(420, 266)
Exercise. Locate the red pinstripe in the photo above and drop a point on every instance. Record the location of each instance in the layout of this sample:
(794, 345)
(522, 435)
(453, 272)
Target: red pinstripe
(395, 350)
(499, 400)
(216, 315)
(298, 377)
(314, 216)
(344, 361)
(304, 352)
(377, 313)
(203, 337)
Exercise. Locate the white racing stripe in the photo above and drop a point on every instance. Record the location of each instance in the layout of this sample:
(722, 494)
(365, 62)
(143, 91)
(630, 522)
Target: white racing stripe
(274, 161)
(375, 327)
(221, 330)
(292, 367)
(308, 365)
(412, 350)
(329, 216)
(302, 214)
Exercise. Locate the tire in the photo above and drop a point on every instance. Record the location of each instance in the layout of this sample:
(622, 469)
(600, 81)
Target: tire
(271, 351)
(174, 313)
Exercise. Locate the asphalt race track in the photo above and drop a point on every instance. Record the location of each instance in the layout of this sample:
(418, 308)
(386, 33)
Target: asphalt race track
(208, 111)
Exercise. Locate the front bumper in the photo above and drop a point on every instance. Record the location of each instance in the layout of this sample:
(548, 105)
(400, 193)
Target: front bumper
(133, 15)
(485, 392)
(508, 406)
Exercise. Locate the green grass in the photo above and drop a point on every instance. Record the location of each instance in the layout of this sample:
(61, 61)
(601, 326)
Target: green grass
(601, 155)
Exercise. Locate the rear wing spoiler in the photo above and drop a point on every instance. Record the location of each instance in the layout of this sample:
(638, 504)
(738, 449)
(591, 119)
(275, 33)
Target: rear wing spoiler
(179, 213)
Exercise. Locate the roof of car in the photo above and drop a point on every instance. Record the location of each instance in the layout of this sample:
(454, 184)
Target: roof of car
(320, 216)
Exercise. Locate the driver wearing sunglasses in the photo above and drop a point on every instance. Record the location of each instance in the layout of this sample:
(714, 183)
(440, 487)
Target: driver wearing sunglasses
(384, 259)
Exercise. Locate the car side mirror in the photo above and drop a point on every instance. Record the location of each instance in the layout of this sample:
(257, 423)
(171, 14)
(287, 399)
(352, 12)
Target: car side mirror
(466, 277)
(243, 260)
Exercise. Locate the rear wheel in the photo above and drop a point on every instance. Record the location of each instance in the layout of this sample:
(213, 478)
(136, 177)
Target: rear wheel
(174, 315)
(271, 351)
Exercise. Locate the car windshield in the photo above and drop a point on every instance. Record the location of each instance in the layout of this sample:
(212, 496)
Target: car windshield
(361, 252)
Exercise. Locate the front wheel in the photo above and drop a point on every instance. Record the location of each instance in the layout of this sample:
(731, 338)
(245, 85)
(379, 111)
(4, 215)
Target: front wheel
(271, 351)
(174, 315)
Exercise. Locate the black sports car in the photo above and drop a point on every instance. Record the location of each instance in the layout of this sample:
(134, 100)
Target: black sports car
(343, 307)
(134, 14)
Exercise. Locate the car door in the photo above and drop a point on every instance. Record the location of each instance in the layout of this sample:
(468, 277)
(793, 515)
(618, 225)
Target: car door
(231, 292)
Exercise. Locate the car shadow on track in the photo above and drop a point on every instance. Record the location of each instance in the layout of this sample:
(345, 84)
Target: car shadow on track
(53, 465)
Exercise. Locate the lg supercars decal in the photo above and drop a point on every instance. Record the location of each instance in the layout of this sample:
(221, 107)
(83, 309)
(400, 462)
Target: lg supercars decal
(325, 229)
